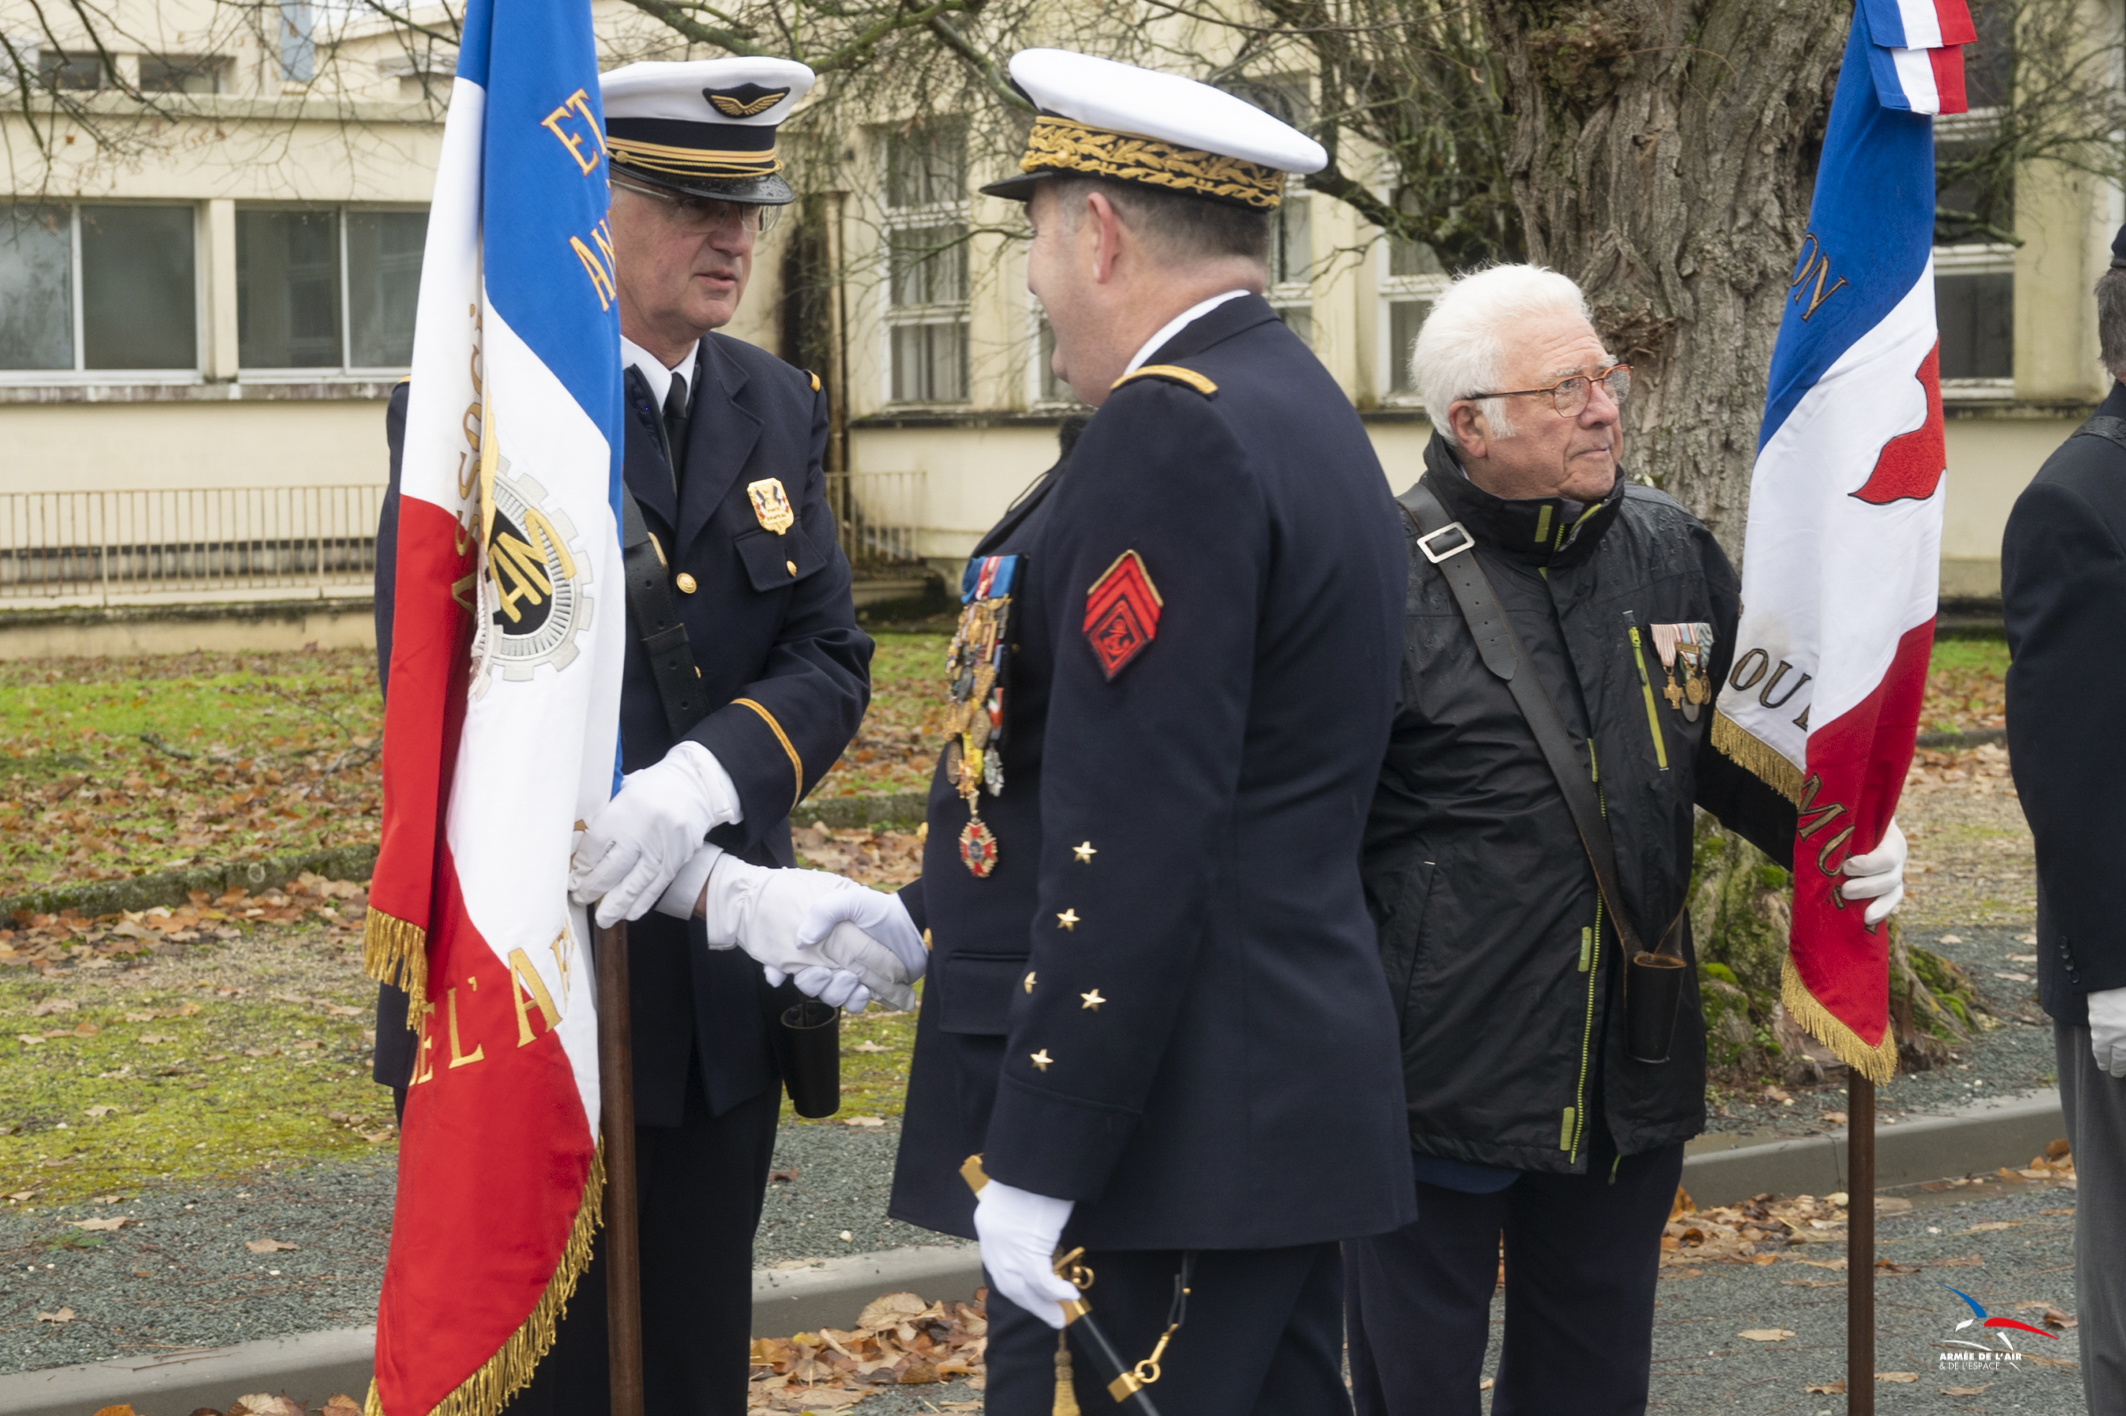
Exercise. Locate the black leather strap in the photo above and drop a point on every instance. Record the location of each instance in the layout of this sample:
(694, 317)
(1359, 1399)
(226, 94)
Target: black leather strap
(2103, 425)
(1452, 550)
(664, 634)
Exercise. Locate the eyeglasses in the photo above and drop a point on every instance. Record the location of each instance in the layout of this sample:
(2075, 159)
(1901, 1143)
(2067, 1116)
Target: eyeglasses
(1569, 396)
(702, 215)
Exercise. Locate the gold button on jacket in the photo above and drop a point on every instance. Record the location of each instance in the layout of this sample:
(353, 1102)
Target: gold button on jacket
(685, 582)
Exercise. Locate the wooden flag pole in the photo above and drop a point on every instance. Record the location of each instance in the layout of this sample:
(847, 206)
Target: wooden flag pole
(623, 1259)
(1860, 1246)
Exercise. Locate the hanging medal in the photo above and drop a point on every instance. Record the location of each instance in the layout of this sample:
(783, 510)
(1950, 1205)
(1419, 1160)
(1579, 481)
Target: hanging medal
(1665, 640)
(974, 666)
(1687, 649)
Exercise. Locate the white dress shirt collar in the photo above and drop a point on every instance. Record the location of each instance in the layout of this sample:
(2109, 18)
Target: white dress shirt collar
(654, 373)
(1178, 323)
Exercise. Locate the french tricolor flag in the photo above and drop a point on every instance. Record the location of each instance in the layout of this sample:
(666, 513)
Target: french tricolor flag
(501, 727)
(1841, 564)
(1916, 52)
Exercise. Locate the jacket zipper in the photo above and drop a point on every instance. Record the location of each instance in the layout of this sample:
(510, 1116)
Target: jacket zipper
(1646, 686)
(1574, 1123)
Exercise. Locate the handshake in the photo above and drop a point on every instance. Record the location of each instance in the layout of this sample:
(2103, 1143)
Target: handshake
(838, 941)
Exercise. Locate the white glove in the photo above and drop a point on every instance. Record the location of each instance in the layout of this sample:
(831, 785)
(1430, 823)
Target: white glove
(1878, 876)
(769, 912)
(2107, 1029)
(877, 913)
(642, 837)
(1019, 1231)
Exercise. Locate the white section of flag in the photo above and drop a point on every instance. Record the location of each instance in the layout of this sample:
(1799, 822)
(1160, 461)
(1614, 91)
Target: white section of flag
(1915, 75)
(443, 385)
(537, 753)
(1831, 583)
(1922, 23)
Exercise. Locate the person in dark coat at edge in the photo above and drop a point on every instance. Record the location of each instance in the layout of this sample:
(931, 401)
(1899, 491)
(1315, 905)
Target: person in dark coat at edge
(1527, 1116)
(1155, 1008)
(2063, 586)
(723, 457)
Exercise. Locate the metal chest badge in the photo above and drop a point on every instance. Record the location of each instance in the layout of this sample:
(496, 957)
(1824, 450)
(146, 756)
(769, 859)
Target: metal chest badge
(974, 669)
(1690, 648)
(771, 504)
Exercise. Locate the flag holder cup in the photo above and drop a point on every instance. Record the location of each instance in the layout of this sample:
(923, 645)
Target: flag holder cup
(1651, 994)
(808, 1044)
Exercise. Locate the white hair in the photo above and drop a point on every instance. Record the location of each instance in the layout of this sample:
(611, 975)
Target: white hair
(1458, 352)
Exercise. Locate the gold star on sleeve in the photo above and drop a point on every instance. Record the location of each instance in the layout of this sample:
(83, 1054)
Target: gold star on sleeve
(1068, 919)
(1084, 852)
(1029, 980)
(1042, 1060)
(1093, 1000)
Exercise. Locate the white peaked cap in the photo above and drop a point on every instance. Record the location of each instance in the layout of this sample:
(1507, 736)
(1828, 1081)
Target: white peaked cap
(1124, 99)
(686, 92)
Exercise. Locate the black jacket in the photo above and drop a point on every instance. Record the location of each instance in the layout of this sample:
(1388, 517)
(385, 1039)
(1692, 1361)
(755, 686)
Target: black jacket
(2063, 586)
(1503, 974)
(1181, 1025)
(774, 632)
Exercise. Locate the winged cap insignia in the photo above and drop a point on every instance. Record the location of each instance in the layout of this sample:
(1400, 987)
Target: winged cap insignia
(745, 101)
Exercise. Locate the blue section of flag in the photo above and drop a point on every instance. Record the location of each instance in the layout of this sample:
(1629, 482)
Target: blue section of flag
(473, 36)
(1871, 225)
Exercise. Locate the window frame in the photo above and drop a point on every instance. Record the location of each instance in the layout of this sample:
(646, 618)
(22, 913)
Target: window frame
(81, 374)
(1293, 294)
(1977, 259)
(914, 217)
(1390, 290)
(345, 371)
(1037, 397)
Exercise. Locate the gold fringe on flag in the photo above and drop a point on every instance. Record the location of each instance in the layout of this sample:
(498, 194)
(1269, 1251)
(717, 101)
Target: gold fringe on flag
(509, 1371)
(396, 952)
(1878, 1063)
(1757, 757)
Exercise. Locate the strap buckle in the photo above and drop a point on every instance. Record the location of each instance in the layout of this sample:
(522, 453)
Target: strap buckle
(1424, 543)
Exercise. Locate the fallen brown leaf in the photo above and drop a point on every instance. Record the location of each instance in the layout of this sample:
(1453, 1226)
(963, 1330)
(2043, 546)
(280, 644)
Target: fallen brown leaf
(1966, 1391)
(1830, 1388)
(266, 1246)
(119, 1410)
(64, 1315)
(1897, 1376)
(116, 1221)
(1765, 1334)
(97, 1113)
(2055, 1318)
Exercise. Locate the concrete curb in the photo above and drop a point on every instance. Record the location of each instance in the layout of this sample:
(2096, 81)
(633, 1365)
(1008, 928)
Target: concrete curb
(831, 1292)
(1982, 1137)
(174, 887)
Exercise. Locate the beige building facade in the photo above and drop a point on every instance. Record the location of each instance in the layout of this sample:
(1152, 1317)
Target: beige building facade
(208, 270)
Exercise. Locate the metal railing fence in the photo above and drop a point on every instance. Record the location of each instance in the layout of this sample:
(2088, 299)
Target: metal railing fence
(878, 515)
(194, 540)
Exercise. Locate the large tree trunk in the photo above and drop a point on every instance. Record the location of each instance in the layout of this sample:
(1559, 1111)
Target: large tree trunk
(1662, 156)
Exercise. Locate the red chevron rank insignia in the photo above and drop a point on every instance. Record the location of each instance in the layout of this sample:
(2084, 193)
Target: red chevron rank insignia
(1121, 613)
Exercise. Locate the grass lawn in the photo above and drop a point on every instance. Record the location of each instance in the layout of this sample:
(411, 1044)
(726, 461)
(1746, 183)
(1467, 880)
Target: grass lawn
(1966, 685)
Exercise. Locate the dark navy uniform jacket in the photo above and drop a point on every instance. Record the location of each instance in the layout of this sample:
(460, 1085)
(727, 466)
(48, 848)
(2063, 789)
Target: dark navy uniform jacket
(1166, 1003)
(2063, 586)
(774, 632)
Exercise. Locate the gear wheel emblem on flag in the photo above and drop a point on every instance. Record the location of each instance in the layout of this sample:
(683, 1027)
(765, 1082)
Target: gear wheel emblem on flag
(534, 580)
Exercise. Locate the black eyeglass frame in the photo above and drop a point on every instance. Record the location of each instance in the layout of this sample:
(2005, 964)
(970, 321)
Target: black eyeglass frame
(765, 214)
(1602, 377)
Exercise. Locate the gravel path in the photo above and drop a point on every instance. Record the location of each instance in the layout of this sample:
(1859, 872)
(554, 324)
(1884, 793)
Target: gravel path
(836, 1204)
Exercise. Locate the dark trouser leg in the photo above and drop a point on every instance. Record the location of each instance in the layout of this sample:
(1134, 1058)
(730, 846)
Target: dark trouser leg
(700, 1186)
(1418, 1302)
(1262, 1336)
(1582, 1257)
(2095, 1105)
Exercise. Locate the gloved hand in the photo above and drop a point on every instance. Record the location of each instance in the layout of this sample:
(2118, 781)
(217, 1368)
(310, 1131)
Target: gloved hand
(878, 914)
(642, 837)
(1019, 1231)
(1878, 876)
(766, 912)
(2107, 1029)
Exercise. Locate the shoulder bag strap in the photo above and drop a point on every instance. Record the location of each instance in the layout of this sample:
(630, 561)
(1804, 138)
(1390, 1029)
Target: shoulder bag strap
(1448, 545)
(664, 634)
(2103, 425)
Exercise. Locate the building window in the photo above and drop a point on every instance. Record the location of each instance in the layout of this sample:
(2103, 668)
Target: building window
(926, 259)
(1291, 289)
(1048, 389)
(78, 72)
(327, 287)
(97, 287)
(182, 73)
(1974, 306)
(298, 44)
(1413, 279)
(1974, 203)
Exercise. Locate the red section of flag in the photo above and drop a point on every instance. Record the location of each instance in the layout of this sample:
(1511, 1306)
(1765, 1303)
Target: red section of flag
(493, 1169)
(1948, 67)
(1911, 463)
(1122, 613)
(1954, 16)
(431, 634)
(1856, 771)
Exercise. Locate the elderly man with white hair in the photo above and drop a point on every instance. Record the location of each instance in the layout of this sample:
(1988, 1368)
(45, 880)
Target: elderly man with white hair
(1530, 836)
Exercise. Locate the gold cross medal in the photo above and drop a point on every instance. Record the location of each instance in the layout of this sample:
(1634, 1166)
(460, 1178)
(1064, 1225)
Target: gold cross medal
(1688, 646)
(771, 504)
(974, 669)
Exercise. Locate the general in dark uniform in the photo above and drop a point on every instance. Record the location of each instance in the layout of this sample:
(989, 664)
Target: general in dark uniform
(735, 569)
(2063, 585)
(1155, 1008)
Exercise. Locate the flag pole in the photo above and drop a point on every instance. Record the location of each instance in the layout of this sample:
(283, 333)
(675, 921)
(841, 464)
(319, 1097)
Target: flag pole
(1860, 1245)
(623, 1261)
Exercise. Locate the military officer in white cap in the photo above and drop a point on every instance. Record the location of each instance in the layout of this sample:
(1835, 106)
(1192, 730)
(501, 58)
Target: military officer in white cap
(1155, 1011)
(746, 676)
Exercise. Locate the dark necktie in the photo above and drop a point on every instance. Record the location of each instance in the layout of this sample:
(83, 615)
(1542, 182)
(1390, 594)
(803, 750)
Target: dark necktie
(675, 423)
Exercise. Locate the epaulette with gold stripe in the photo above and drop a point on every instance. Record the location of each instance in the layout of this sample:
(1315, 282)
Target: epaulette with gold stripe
(1173, 373)
(815, 380)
